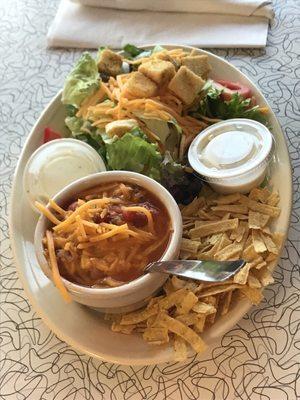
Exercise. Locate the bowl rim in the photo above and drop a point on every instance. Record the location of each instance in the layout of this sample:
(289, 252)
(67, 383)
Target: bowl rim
(148, 279)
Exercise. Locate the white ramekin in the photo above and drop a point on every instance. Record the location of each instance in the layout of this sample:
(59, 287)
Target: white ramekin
(134, 294)
(232, 176)
(42, 176)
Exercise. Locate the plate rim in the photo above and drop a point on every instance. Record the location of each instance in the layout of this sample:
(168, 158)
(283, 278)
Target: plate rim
(19, 260)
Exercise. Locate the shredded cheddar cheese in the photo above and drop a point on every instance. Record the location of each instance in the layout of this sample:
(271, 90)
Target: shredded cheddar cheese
(54, 268)
(47, 213)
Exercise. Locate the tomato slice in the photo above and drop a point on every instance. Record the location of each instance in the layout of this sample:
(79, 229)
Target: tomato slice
(50, 134)
(229, 88)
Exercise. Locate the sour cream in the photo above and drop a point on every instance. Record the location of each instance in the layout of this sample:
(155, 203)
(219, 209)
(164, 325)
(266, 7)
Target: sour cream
(56, 164)
(232, 155)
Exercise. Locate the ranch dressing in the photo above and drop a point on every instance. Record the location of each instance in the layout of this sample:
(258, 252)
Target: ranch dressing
(232, 155)
(56, 164)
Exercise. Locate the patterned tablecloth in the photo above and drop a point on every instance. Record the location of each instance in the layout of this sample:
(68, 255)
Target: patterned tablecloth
(259, 358)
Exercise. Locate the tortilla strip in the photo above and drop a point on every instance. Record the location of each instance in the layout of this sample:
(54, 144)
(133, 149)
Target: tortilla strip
(257, 220)
(264, 208)
(223, 242)
(180, 349)
(238, 233)
(206, 216)
(199, 326)
(183, 331)
(214, 301)
(249, 253)
(278, 239)
(177, 282)
(213, 227)
(242, 276)
(188, 225)
(187, 303)
(254, 295)
(264, 276)
(258, 243)
(208, 255)
(219, 289)
(260, 265)
(229, 199)
(271, 257)
(156, 335)
(225, 216)
(203, 308)
(214, 238)
(229, 252)
(235, 208)
(253, 282)
(224, 302)
(271, 246)
(139, 316)
(191, 208)
(172, 299)
(273, 200)
(126, 329)
(185, 255)
(189, 245)
(242, 217)
(257, 261)
(260, 194)
(188, 319)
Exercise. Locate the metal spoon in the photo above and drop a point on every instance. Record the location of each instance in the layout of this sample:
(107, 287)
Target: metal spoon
(207, 271)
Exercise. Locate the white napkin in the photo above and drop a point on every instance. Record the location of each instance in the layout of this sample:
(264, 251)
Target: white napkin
(81, 26)
(247, 8)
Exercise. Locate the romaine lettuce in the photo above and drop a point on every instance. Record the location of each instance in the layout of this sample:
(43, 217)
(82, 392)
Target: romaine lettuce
(133, 52)
(168, 132)
(133, 153)
(82, 81)
(83, 130)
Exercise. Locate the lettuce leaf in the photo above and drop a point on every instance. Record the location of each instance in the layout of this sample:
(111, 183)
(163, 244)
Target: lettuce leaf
(83, 130)
(133, 153)
(82, 81)
(74, 124)
(168, 132)
(133, 52)
(213, 106)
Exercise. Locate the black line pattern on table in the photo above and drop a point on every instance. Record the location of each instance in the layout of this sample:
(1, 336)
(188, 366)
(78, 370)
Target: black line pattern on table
(257, 359)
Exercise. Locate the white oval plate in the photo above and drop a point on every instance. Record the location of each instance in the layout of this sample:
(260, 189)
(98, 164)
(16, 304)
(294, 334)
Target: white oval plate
(81, 327)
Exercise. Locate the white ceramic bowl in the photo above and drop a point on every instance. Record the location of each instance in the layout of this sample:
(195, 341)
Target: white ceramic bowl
(131, 295)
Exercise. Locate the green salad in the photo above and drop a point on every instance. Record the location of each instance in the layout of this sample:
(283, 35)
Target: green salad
(141, 110)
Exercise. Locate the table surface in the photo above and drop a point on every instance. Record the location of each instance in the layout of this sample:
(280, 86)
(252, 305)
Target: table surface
(259, 358)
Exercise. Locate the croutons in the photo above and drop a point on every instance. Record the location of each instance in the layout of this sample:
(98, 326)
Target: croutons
(139, 86)
(197, 64)
(158, 71)
(110, 62)
(120, 127)
(186, 85)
